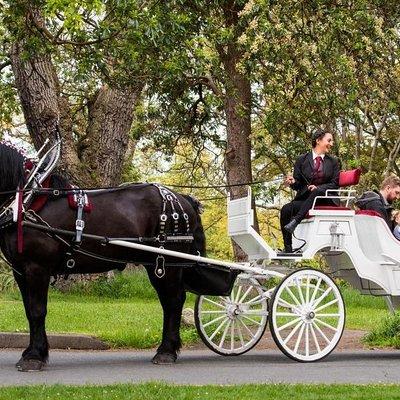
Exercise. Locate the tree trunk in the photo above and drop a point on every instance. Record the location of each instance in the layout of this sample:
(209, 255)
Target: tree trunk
(237, 105)
(110, 117)
(110, 120)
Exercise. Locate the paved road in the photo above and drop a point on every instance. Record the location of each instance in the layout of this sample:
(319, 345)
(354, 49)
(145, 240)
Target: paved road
(204, 367)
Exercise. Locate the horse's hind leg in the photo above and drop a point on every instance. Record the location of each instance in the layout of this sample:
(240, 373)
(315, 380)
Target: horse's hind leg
(34, 285)
(172, 297)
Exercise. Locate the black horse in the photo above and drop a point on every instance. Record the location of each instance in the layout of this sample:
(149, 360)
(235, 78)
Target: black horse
(129, 211)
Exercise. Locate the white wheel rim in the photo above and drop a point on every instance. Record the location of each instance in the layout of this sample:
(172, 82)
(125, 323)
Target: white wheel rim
(308, 315)
(234, 324)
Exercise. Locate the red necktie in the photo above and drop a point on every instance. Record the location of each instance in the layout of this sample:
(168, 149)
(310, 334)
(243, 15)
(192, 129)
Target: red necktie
(318, 161)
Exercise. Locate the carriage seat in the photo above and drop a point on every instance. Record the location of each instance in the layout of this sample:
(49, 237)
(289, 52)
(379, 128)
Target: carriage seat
(375, 238)
(346, 179)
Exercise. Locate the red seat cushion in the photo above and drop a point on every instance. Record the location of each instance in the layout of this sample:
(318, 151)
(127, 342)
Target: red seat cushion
(349, 178)
(331, 208)
(336, 208)
(372, 213)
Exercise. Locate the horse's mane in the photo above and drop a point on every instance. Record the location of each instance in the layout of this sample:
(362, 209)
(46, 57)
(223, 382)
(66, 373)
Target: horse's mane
(58, 181)
(12, 172)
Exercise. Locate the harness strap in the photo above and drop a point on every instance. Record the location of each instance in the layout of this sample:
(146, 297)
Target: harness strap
(168, 197)
(79, 223)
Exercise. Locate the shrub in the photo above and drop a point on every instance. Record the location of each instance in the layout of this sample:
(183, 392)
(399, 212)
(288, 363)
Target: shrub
(7, 282)
(387, 333)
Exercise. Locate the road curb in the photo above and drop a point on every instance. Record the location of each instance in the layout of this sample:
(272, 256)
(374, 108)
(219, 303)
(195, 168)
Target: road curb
(56, 341)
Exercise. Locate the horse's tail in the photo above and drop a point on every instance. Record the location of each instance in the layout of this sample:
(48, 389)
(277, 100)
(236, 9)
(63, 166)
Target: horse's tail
(199, 242)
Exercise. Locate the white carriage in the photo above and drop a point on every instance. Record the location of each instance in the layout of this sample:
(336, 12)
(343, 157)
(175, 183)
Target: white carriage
(304, 308)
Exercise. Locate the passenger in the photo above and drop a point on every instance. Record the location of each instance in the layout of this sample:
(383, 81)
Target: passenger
(314, 173)
(396, 219)
(381, 201)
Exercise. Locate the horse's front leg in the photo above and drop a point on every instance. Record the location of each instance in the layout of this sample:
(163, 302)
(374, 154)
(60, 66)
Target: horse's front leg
(172, 297)
(34, 286)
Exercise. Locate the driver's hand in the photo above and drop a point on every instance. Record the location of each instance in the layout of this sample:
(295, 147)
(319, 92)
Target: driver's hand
(289, 180)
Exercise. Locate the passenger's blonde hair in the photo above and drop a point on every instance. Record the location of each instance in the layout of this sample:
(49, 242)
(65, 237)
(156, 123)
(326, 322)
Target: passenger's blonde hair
(391, 180)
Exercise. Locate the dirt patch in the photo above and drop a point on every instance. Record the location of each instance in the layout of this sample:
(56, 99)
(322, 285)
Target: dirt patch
(351, 340)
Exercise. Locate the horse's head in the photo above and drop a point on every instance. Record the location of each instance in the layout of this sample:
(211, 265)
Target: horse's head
(12, 171)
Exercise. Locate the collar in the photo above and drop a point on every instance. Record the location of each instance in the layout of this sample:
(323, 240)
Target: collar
(385, 202)
(315, 155)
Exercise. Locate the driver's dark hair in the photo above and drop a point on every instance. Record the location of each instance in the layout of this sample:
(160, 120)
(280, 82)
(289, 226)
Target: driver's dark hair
(318, 134)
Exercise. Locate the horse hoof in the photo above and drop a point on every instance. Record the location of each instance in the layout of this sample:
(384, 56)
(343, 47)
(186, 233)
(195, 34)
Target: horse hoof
(19, 363)
(164, 358)
(29, 365)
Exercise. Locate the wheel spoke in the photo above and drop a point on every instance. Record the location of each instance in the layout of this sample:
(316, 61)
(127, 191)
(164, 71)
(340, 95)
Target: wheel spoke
(284, 303)
(245, 294)
(214, 320)
(327, 291)
(286, 314)
(240, 335)
(307, 339)
(214, 302)
(291, 334)
(326, 305)
(246, 327)
(260, 313)
(315, 338)
(233, 335)
(321, 333)
(295, 299)
(300, 291)
(251, 319)
(289, 324)
(219, 328)
(316, 290)
(325, 324)
(333, 315)
(238, 294)
(212, 312)
(296, 347)
(308, 289)
(255, 299)
(221, 342)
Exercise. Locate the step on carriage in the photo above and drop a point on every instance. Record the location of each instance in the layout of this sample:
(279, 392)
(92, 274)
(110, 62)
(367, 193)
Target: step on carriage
(304, 307)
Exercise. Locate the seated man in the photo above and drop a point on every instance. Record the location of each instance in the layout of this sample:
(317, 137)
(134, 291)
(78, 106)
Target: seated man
(381, 201)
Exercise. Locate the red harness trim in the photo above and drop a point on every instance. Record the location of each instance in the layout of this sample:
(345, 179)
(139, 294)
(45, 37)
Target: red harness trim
(41, 200)
(20, 234)
(74, 205)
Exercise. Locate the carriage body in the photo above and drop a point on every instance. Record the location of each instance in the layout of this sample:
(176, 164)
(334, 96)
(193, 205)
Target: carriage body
(357, 248)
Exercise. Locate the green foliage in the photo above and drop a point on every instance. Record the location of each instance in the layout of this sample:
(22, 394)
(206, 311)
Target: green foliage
(7, 282)
(386, 333)
(123, 285)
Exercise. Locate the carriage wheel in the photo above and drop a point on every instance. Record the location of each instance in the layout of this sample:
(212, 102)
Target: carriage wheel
(234, 324)
(307, 315)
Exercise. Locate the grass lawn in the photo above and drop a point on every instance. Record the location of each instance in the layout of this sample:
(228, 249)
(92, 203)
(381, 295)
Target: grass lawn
(129, 315)
(243, 392)
(122, 323)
